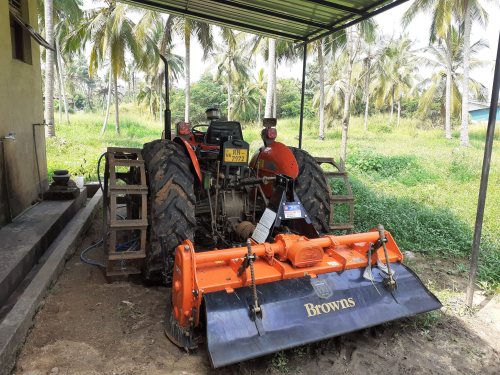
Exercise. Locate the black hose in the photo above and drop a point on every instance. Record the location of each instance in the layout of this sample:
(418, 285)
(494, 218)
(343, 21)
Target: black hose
(98, 171)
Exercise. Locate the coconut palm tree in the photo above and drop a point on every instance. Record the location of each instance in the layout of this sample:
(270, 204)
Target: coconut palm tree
(335, 86)
(396, 74)
(373, 49)
(148, 95)
(271, 68)
(443, 13)
(319, 47)
(353, 37)
(471, 11)
(436, 86)
(65, 15)
(111, 34)
(230, 62)
(275, 52)
(186, 28)
(49, 69)
(154, 27)
(245, 102)
(259, 84)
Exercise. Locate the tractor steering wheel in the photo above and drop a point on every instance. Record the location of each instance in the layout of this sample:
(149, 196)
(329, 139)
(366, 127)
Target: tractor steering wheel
(194, 131)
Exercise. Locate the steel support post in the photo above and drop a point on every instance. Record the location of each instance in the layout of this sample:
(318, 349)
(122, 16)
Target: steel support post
(490, 132)
(302, 95)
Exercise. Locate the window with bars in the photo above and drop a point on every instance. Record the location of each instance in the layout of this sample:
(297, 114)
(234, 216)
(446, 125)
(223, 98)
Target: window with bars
(15, 6)
(20, 39)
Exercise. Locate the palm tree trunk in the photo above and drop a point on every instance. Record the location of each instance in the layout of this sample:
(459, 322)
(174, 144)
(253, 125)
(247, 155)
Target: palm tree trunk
(270, 83)
(392, 105)
(61, 76)
(187, 71)
(366, 111)
(103, 103)
(117, 111)
(50, 130)
(133, 85)
(275, 89)
(464, 131)
(321, 63)
(260, 103)
(89, 97)
(367, 88)
(229, 96)
(109, 104)
(399, 111)
(59, 86)
(347, 97)
(448, 87)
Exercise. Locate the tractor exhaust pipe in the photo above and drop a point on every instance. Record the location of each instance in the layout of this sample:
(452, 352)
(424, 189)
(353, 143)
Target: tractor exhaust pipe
(168, 114)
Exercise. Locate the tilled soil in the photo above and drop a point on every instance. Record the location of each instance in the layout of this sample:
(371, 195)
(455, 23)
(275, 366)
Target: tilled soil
(88, 326)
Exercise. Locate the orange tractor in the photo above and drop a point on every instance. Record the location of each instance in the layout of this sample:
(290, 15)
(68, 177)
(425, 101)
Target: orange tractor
(245, 244)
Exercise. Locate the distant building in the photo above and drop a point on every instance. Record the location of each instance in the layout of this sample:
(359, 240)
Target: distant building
(480, 111)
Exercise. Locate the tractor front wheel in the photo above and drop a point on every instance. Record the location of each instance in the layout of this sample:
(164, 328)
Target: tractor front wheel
(172, 201)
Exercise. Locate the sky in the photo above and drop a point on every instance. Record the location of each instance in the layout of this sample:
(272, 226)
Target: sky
(389, 24)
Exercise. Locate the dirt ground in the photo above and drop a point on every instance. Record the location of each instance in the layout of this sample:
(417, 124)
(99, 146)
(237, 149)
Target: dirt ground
(88, 326)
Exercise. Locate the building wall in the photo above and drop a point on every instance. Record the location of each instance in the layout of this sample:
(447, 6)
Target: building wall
(482, 115)
(21, 105)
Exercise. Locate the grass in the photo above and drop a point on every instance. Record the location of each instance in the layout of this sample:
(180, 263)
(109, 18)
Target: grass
(422, 187)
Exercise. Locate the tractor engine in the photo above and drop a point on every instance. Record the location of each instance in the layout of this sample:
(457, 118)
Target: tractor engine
(230, 198)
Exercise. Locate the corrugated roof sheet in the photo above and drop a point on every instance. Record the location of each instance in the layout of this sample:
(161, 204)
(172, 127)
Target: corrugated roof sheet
(295, 20)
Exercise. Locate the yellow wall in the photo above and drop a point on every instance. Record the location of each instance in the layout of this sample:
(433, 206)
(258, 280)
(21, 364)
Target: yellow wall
(21, 105)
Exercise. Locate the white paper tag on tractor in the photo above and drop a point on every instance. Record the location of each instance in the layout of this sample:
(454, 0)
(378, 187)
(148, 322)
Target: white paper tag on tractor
(268, 218)
(260, 233)
(292, 211)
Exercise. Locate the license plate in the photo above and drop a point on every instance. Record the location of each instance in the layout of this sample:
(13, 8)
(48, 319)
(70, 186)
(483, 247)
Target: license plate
(235, 155)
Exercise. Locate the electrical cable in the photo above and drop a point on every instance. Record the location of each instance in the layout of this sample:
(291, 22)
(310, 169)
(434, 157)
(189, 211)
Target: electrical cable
(98, 171)
(88, 261)
(100, 242)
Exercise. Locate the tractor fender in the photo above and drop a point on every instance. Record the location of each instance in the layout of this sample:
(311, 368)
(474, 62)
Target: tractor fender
(191, 154)
(273, 159)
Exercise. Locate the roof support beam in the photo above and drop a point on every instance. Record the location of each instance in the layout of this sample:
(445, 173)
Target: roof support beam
(271, 13)
(356, 21)
(204, 16)
(337, 6)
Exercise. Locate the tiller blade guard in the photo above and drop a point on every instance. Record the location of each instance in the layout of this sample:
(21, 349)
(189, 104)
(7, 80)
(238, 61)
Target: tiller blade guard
(307, 290)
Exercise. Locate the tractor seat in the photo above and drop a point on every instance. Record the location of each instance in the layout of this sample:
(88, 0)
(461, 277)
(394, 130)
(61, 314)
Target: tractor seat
(219, 129)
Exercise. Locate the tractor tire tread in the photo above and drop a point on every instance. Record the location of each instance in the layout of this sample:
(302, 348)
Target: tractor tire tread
(172, 216)
(312, 190)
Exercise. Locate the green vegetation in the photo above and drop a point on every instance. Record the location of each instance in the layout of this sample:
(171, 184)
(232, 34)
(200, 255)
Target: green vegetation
(419, 185)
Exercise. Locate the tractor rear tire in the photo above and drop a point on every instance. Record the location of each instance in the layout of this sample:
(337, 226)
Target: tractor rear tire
(312, 190)
(172, 201)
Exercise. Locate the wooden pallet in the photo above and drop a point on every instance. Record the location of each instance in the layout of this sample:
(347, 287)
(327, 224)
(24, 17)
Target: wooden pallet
(337, 199)
(127, 262)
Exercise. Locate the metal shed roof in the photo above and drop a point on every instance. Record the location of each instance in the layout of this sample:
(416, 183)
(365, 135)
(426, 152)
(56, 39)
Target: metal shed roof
(294, 20)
